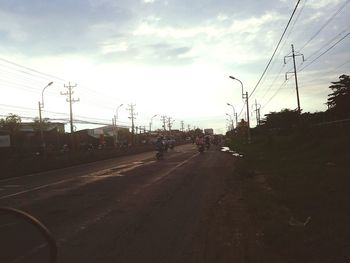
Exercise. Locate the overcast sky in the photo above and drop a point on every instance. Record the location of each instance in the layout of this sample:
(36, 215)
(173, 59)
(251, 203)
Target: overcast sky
(169, 58)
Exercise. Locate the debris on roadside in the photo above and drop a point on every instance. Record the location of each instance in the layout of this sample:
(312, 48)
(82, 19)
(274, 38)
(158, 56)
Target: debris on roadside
(235, 154)
(293, 222)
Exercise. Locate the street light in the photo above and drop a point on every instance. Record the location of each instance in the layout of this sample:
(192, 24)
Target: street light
(115, 124)
(150, 124)
(245, 96)
(241, 85)
(41, 105)
(234, 111)
(231, 120)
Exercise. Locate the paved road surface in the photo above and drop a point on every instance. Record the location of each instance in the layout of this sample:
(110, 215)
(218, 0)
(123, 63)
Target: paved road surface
(137, 209)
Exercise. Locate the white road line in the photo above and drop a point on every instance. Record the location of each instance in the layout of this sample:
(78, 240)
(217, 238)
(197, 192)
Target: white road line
(75, 178)
(37, 188)
(121, 160)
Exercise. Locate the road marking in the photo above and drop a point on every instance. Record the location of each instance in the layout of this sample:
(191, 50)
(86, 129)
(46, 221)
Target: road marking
(36, 188)
(101, 174)
(120, 159)
(135, 164)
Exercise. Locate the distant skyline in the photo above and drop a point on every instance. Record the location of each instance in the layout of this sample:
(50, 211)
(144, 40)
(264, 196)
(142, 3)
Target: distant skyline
(169, 58)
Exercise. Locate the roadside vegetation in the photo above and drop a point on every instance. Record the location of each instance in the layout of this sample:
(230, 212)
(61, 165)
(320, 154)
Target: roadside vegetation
(297, 177)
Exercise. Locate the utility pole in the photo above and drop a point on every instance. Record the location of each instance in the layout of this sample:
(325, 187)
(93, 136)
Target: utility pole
(188, 127)
(236, 115)
(257, 113)
(71, 100)
(247, 101)
(163, 119)
(295, 74)
(182, 126)
(170, 123)
(132, 117)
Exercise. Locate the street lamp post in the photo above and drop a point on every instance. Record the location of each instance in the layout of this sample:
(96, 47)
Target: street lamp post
(231, 121)
(246, 97)
(234, 113)
(150, 124)
(115, 124)
(41, 106)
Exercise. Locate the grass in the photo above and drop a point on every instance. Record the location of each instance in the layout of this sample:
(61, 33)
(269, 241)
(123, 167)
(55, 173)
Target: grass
(309, 176)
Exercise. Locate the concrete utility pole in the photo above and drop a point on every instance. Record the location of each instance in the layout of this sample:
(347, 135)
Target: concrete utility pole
(188, 127)
(150, 123)
(163, 119)
(71, 100)
(295, 74)
(246, 97)
(236, 115)
(132, 117)
(257, 113)
(115, 127)
(170, 123)
(182, 126)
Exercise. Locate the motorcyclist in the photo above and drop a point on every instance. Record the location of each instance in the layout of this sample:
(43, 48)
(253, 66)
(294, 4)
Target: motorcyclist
(207, 142)
(200, 143)
(160, 147)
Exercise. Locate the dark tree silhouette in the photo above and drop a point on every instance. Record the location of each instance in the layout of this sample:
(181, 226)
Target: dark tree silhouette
(285, 119)
(12, 123)
(339, 100)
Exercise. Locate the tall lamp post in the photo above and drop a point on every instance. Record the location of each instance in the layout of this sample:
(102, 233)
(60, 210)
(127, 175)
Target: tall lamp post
(246, 97)
(115, 123)
(41, 106)
(150, 124)
(234, 112)
(230, 120)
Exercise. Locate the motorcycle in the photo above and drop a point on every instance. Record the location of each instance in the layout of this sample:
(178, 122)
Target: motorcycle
(160, 154)
(200, 148)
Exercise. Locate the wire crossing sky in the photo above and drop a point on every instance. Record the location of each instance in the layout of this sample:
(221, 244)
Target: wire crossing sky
(170, 58)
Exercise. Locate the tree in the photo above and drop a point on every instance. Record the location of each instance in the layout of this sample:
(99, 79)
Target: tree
(12, 123)
(242, 128)
(283, 120)
(36, 124)
(339, 100)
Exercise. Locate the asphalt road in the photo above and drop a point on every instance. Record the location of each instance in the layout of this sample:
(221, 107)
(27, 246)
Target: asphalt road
(137, 209)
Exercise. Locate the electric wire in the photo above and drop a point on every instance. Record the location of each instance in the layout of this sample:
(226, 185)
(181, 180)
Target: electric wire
(276, 92)
(325, 24)
(325, 45)
(278, 44)
(32, 70)
(324, 52)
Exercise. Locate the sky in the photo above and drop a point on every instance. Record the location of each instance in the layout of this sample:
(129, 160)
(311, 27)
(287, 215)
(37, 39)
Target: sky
(168, 58)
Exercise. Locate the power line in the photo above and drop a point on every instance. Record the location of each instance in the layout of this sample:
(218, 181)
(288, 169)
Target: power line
(326, 51)
(241, 110)
(32, 70)
(329, 42)
(279, 42)
(325, 24)
(273, 82)
(277, 90)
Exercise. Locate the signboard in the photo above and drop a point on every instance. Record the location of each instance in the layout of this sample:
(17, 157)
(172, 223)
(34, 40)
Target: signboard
(5, 141)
